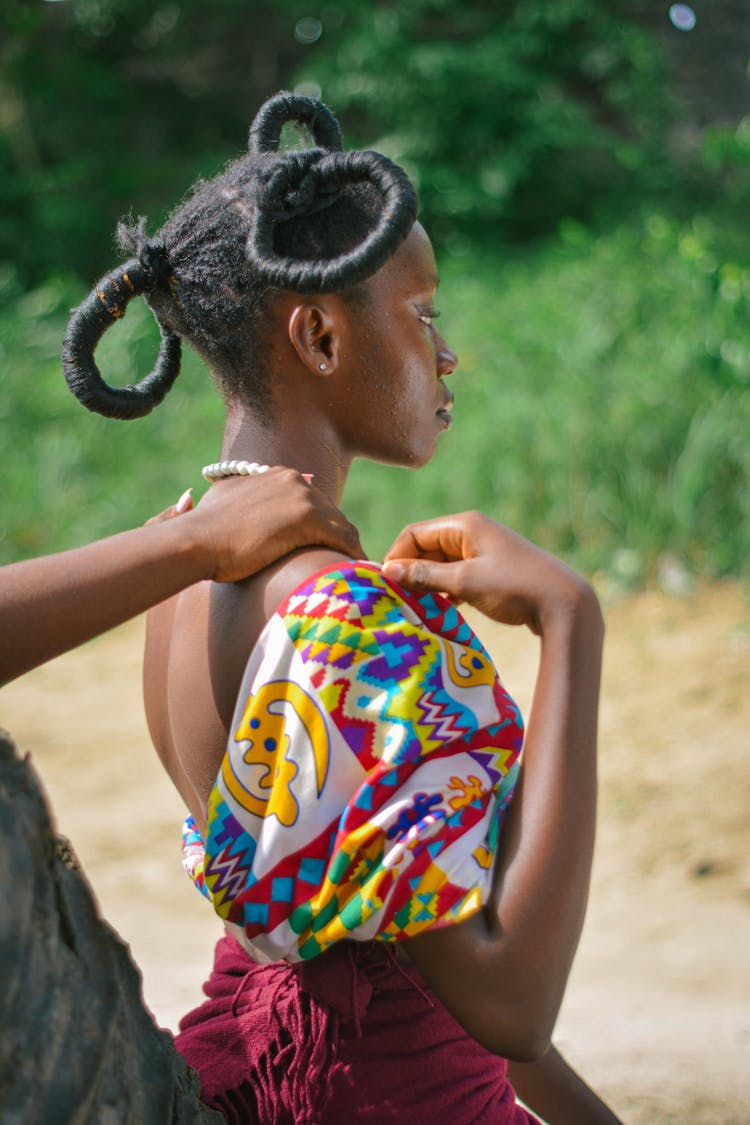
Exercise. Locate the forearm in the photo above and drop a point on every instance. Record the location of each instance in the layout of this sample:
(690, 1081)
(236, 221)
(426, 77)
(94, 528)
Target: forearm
(51, 604)
(551, 1088)
(511, 962)
(542, 878)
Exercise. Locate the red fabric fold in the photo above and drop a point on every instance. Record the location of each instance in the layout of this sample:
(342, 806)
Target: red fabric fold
(349, 1036)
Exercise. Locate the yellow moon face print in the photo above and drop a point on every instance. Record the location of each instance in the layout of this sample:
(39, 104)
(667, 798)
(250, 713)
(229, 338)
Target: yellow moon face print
(287, 736)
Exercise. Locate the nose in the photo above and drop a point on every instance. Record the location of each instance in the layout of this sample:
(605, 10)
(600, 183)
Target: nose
(447, 360)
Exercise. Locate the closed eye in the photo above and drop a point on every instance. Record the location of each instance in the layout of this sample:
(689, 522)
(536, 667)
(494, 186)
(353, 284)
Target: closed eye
(428, 315)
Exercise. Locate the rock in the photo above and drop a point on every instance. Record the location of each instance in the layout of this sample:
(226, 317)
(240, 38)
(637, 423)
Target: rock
(78, 1044)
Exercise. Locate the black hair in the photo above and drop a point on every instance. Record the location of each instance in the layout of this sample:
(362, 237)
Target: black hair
(316, 220)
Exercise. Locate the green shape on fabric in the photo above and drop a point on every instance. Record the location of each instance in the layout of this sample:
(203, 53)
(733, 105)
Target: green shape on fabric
(339, 867)
(493, 833)
(301, 918)
(351, 915)
(331, 635)
(293, 628)
(402, 917)
(309, 949)
(329, 911)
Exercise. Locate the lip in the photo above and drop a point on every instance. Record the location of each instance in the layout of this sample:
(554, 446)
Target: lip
(444, 413)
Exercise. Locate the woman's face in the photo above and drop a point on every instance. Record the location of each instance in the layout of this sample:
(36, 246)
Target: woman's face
(396, 361)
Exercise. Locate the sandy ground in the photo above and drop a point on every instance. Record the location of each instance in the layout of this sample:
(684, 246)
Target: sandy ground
(657, 1014)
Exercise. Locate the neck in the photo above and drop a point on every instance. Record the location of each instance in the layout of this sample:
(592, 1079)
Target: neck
(309, 451)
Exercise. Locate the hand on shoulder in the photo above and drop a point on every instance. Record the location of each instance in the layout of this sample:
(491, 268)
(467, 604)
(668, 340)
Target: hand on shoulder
(246, 523)
(473, 559)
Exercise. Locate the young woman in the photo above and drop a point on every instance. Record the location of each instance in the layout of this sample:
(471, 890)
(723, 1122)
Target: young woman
(399, 923)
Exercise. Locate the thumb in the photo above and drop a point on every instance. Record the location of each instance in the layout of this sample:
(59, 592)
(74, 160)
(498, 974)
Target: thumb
(426, 576)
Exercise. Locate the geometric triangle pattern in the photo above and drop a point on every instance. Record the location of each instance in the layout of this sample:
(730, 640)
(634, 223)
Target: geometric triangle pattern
(373, 756)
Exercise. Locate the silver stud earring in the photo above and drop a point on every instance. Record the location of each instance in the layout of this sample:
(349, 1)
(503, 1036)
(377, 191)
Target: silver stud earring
(323, 366)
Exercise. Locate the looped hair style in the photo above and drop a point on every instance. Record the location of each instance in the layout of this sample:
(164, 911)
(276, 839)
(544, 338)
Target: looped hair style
(104, 305)
(299, 184)
(273, 115)
(293, 187)
(314, 220)
(154, 258)
(299, 188)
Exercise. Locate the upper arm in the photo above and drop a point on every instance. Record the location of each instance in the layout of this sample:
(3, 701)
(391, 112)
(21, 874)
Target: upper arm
(453, 961)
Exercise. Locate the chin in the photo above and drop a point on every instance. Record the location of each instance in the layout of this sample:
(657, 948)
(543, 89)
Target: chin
(411, 459)
(418, 461)
(403, 455)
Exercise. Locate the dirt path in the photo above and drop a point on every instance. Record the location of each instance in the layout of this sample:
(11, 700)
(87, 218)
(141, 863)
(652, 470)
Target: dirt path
(658, 1009)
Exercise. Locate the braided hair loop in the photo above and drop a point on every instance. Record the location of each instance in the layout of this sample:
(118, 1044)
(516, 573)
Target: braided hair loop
(294, 185)
(265, 131)
(104, 305)
(297, 188)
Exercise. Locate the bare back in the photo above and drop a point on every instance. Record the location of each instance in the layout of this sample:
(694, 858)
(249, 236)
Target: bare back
(197, 646)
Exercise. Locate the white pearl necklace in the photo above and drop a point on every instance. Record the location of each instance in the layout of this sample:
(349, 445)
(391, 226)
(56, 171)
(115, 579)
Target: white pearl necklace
(222, 469)
(232, 469)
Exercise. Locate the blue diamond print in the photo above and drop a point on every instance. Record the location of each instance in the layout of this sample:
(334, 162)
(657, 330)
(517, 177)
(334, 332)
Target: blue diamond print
(283, 890)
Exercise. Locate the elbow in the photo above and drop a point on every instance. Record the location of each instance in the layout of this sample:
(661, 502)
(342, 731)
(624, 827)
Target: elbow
(508, 1004)
(520, 1032)
(523, 1042)
(528, 1045)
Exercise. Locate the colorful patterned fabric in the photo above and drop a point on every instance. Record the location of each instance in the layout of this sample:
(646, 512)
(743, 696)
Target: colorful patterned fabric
(372, 757)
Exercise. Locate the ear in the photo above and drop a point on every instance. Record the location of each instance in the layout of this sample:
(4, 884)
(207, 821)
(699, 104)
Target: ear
(315, 334)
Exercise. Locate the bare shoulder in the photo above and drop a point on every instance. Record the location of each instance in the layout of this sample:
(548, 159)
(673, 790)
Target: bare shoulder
(283, 579)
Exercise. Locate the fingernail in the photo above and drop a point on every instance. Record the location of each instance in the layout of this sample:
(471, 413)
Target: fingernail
(393, 570)
(185, 501)
(308, 477)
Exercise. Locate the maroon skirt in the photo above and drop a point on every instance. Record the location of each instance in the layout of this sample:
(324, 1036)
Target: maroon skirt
(352, 1035)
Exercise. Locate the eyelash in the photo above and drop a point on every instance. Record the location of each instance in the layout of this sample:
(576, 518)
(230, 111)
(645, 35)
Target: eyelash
(428, 317)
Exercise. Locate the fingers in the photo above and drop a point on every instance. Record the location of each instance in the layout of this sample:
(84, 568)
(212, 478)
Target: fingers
(306, 517)
(184, 504)
(473, 559)
(429, 556)
(464, 557)
(326, 526)
(444, 539)
(428, 576)
(420, 540)
(340, 535)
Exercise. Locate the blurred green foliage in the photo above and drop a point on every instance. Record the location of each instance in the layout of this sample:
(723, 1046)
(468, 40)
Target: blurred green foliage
(510, 113)
(108, 105)
(68, 475)
(596, 271)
